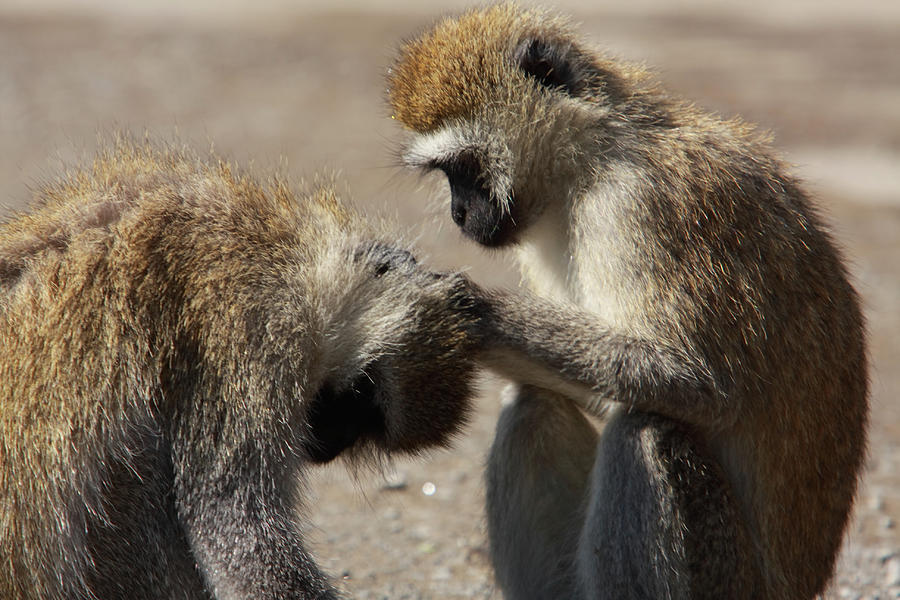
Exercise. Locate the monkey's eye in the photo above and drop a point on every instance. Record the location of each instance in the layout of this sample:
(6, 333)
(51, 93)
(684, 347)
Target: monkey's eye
(463, 170)
(547, 64)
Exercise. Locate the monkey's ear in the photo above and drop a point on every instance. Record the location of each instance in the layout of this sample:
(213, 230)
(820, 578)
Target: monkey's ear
(549, 64)
(384, 257)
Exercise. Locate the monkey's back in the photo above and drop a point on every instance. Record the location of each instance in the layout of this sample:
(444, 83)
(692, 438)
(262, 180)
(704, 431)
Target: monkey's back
(102, 286)
(741, 270)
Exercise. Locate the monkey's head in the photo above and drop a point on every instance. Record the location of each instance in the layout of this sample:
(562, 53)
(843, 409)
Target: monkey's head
(511, 108)
(403, 379)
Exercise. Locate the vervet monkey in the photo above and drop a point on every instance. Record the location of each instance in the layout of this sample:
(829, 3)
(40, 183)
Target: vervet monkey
(689, 285)
(179, 343)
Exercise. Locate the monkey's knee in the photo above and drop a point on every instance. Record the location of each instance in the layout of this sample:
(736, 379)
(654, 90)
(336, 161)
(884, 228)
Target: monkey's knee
(539, 432)
(537, 480)
(661, 520)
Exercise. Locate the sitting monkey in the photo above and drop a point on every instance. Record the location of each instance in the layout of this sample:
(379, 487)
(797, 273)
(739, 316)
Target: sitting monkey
(689, 288)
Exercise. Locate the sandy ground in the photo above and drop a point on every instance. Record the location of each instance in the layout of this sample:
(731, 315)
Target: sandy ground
(274, 82)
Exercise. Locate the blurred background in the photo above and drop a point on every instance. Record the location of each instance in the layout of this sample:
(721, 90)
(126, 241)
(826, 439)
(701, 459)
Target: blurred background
(300, 86)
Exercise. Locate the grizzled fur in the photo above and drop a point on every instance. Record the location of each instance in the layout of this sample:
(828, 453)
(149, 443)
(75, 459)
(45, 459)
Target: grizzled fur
(179, 343)
(689, 285)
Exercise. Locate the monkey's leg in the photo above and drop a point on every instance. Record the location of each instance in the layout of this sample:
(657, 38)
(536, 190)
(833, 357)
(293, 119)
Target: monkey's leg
(661, 523)
(537, 481)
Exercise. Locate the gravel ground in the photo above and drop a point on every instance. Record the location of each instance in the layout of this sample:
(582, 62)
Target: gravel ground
(298, 85)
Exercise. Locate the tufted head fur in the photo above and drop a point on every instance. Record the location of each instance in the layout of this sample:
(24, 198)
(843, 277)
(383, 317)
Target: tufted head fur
(480, 88)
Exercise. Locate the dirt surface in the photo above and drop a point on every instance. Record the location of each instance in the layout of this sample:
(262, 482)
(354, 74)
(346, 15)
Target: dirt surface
(301, 86)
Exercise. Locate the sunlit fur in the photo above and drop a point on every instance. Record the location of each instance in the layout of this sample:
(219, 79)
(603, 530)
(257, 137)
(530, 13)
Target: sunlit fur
(174, 335)
(691, 284)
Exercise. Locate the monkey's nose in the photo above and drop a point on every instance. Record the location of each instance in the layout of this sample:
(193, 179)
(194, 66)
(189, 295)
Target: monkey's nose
(458, 212)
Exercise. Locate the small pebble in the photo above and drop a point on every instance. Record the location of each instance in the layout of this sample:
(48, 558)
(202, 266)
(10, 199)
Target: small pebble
(876, 502)
(892, 572)
(394, 481)
(425, 548)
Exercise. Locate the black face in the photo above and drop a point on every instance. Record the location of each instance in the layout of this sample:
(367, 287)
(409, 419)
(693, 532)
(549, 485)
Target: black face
(338, 418)
(474, 210)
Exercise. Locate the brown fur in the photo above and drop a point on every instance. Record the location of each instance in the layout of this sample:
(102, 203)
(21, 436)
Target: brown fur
(179, 343)
(452, 70)
(708, 292)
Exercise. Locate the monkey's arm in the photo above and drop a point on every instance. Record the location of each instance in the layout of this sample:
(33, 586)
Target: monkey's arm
(238, 512)
(569, 351)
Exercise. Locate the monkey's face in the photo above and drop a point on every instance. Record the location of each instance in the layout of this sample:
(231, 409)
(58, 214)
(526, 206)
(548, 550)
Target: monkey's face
(507, 107)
